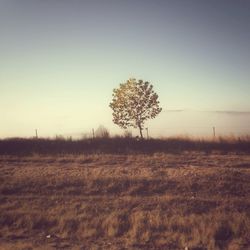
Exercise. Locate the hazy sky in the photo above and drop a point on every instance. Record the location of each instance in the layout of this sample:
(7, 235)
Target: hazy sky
(60, 60)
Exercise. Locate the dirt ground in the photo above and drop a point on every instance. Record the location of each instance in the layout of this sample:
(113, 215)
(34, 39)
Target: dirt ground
(160, 201)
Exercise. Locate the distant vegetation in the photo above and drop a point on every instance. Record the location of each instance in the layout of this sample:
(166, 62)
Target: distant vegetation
(121, 145)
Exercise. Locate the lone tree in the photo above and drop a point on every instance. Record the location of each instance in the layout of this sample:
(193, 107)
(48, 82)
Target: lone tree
(133, 103)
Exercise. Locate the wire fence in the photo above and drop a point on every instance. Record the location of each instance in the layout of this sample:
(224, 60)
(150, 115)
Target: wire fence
(165, 132)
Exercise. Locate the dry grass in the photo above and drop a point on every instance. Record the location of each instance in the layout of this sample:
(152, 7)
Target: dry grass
(101, 201)
(120, 145)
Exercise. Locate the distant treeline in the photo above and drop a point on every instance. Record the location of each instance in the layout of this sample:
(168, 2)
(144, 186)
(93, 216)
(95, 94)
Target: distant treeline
(22, 146)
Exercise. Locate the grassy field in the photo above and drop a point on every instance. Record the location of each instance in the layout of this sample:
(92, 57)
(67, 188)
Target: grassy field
(189, 200)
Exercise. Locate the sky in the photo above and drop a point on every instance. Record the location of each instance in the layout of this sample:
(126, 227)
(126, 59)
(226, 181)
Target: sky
(61, 59)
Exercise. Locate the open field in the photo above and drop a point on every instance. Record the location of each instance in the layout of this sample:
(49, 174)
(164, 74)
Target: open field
(103, 201)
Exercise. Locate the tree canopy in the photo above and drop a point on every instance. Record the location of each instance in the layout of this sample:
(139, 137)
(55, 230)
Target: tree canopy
(133, 103)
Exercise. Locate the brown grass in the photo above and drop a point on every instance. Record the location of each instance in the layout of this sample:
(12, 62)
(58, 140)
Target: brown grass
(120, 145)
(103, 201)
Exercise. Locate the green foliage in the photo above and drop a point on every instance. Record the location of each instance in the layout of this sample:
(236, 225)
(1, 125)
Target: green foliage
(133, 103)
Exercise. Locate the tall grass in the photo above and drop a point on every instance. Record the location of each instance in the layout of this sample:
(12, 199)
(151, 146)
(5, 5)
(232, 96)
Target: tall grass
(23, 146)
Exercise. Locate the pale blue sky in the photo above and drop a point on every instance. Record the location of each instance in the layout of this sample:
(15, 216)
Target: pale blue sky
(61, 59)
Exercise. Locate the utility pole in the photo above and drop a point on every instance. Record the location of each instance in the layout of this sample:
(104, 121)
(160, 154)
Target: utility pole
(214, 131)
(93, 133)
(36, 134)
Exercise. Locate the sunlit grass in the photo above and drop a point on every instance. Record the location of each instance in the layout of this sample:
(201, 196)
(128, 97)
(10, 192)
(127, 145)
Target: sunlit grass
(115, 201)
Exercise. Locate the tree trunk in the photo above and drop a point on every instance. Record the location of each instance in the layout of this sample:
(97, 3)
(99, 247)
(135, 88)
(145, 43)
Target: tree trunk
(140, 128)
